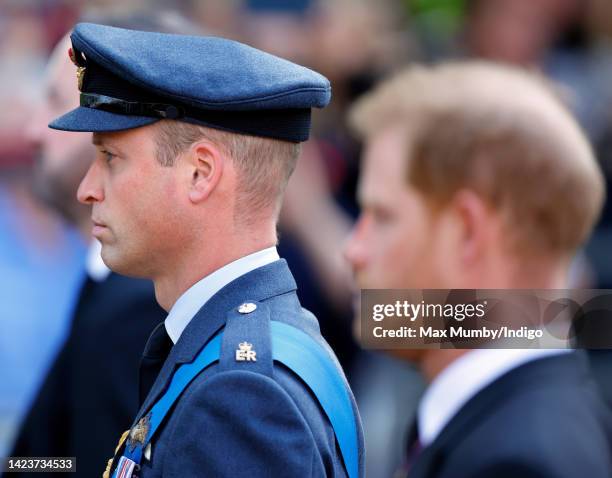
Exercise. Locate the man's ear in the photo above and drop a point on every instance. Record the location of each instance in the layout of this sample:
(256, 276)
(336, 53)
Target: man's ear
(476, 225)
(206, 162)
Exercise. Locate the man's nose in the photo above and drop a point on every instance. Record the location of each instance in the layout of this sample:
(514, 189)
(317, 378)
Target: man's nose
(90, 190)
(355, 248)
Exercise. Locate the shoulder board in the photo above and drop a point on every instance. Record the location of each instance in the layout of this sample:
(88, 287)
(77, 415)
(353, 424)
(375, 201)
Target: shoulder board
(246, 343)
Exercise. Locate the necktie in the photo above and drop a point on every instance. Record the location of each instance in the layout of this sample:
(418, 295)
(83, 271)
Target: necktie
(155, 353)
(413, 451)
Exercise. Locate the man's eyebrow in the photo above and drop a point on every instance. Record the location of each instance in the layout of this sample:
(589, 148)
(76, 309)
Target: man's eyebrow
(106, 143)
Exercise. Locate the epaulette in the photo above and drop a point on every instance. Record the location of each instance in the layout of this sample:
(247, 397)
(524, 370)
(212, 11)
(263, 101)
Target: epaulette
(247, 343)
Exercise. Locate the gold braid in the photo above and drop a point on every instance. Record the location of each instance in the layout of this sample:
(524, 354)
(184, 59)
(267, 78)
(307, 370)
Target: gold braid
(106, 473)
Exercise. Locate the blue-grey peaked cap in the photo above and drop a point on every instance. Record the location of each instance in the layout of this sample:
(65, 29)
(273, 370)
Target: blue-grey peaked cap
(132, 78)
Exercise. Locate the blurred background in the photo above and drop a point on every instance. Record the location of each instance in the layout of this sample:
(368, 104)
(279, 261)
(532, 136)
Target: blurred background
(353, 43)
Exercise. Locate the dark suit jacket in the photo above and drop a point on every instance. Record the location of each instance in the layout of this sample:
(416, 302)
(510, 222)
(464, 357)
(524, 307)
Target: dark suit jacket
(544, 419)
(90, 395)
(601, 367)
(254, 419)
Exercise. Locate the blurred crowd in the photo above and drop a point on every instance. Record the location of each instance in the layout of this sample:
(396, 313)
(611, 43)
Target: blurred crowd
(352, 42)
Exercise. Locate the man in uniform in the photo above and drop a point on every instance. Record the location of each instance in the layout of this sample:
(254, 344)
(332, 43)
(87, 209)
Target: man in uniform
(475, 176)
(196, 139)
(84, 390)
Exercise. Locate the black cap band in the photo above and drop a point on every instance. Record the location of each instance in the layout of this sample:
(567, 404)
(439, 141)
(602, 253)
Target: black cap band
(131, 108)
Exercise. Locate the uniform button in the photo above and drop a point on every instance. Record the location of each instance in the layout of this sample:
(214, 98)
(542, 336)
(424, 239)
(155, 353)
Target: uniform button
(247, 308)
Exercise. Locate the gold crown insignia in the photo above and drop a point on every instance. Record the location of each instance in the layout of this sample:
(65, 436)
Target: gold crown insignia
(245, 346)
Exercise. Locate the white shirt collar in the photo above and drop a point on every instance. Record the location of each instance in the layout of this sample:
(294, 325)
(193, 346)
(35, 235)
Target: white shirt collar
(463, 379)
(96, 269)
(198, 294)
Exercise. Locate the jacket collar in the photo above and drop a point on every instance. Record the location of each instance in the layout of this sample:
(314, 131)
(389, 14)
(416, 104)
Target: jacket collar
(260, 284)
(570, 368)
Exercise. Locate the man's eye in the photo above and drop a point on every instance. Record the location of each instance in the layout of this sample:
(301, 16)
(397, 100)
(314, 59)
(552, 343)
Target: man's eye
(108, 156)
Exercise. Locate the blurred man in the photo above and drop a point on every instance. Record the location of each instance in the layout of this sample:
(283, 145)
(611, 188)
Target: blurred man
(90, 395)
(475, 176)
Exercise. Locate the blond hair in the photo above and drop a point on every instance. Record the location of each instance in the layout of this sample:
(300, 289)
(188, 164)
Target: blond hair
(501, 132)
(264, 165)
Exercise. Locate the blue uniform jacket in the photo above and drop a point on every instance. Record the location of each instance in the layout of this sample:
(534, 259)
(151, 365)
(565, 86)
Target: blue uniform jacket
(255, 419)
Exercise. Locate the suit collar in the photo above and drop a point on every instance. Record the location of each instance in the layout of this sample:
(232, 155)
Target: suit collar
(463, 379)
(260, 284)
(558, 369)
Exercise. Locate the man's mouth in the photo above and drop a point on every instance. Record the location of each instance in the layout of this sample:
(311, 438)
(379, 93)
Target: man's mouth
(98, 228)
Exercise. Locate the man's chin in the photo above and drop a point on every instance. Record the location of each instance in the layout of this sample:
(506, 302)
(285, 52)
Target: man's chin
(124, 266)
(113, 261)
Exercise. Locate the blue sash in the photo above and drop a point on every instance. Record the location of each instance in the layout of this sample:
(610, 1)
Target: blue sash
(298, 352)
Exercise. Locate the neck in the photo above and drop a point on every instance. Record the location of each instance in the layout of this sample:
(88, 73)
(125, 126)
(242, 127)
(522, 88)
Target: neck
(537, 274)
(201, 261)
(531, 271)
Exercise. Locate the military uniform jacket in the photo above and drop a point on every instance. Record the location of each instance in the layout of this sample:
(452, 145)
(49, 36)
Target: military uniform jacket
(244, 418)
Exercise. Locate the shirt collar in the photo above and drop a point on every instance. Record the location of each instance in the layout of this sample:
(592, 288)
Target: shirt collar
(194, 298)
(96, 269)
(463, 379)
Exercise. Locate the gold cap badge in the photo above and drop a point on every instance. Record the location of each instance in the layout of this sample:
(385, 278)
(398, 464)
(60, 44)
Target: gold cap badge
(80, 73)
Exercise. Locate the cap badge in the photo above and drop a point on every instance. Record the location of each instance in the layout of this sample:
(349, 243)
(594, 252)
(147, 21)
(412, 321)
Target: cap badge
(80, 73)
